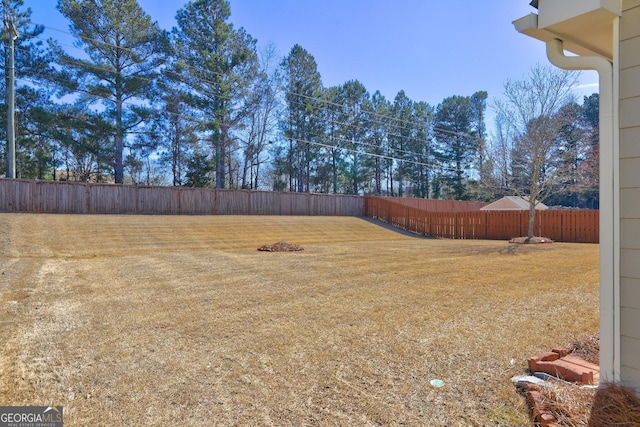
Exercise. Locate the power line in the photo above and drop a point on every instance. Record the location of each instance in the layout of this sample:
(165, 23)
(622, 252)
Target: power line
(332, 146)
(319, 98)
(381, 156)
(199, 121)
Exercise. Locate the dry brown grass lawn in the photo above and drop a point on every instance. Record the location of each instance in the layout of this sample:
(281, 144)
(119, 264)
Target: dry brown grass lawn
(158, 321)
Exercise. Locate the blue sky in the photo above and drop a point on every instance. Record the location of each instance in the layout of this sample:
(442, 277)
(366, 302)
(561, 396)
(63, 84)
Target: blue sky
(431, 49)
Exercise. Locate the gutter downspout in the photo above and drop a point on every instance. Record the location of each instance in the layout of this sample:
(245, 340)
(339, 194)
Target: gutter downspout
(609, 209)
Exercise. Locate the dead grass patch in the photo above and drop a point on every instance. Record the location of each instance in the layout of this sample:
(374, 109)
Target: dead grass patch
(145, 320)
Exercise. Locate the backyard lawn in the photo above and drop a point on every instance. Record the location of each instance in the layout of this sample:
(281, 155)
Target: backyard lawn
(180, 320)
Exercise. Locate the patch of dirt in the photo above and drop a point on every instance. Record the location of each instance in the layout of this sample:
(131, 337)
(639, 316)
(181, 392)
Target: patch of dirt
(281, 247)
(527, 240)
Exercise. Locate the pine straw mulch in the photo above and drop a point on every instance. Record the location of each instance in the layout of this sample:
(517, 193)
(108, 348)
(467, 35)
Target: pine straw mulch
(608, 405)
(587, 348)
(281, 247)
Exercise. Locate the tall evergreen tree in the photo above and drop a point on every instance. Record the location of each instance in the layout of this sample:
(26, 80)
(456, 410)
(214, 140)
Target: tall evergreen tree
(421, 149)
(36, 148)
(379, 128)
(215, 65)
(590, 168)
(483, 163)
(124, 50)
(457, 146)
(354, 129)
(400, 135)
(330, 158)
(571, 143)
(302, 124)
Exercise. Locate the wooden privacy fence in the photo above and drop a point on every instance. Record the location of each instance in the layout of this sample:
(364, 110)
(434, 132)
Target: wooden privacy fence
(461, 223)
(580, 226)
(90, 198)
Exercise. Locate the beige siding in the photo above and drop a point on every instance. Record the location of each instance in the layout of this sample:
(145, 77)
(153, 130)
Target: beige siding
(631, 238)
(630, 293)
(628, 151)
(630, 192)
(630, 348)
(629, 108)
(631, 4)
(630, 81)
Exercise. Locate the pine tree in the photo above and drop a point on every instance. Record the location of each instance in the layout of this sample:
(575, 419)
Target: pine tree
(353, 119)
(303, 123)
(400, 134)
(124, 50)
(215, 67)
(456, 144)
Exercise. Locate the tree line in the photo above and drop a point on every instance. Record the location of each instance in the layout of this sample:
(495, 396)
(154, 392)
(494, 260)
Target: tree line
(200, 105)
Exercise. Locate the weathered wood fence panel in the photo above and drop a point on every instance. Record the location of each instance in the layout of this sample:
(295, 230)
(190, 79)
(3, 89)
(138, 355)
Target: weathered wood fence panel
(90, 198)
(580, 226)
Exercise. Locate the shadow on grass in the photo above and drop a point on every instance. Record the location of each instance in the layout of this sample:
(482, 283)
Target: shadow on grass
(398, 230)
(509, 249)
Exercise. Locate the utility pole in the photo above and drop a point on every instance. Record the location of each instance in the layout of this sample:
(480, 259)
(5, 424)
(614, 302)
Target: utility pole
(12, 35)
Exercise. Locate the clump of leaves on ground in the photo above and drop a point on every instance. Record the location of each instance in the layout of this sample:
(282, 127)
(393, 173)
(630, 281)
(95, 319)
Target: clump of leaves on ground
(281, 247)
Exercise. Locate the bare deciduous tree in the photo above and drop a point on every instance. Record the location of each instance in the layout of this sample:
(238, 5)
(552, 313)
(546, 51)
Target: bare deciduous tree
(529, 110)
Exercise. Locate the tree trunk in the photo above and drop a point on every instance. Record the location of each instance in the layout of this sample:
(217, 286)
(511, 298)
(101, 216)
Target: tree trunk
(221, 156)
(532, 217)
(119, 142)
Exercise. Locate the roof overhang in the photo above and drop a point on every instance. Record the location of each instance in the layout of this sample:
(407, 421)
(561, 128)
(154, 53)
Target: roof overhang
(584, 26)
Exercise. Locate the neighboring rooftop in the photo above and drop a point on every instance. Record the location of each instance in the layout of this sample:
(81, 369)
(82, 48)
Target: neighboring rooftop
(512, 203)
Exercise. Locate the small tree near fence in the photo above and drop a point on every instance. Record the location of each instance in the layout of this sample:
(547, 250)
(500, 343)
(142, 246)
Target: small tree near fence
(531, 111)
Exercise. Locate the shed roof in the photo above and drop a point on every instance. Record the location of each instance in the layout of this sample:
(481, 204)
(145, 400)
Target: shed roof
(512, 203)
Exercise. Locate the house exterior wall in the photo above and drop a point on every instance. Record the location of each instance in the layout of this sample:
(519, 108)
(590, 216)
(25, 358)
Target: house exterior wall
(629, 117)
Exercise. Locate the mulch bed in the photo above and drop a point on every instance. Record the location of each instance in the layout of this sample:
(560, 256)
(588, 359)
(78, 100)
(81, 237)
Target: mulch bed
(281, 247)
(527, 240)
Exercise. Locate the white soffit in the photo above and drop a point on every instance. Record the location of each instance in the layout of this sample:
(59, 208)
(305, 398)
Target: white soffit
(585, 26)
